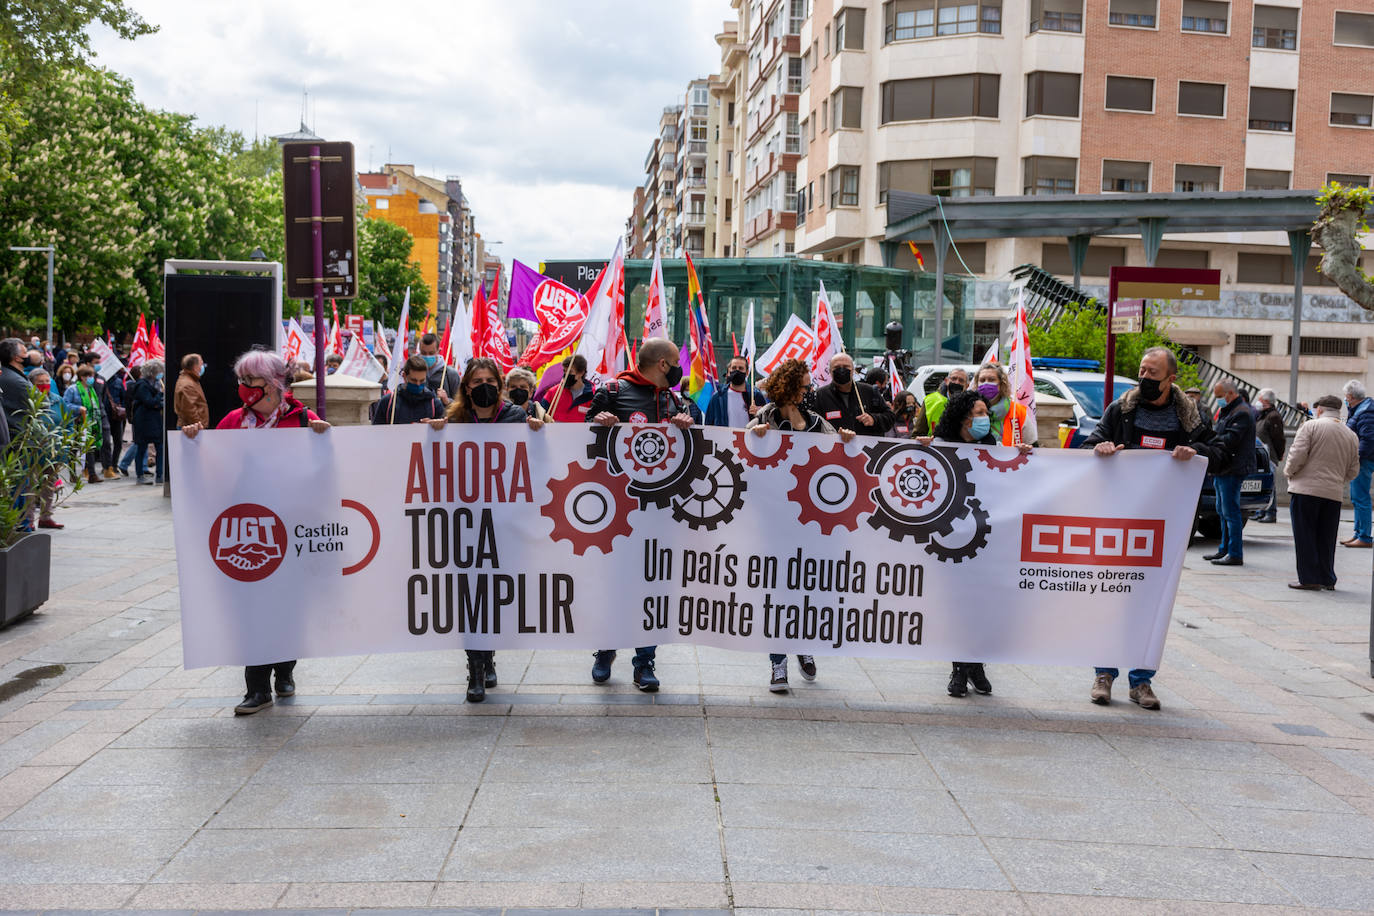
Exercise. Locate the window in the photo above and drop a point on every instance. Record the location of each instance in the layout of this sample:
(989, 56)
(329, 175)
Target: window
(793, 137)
(1204, 99)
(827, 41)
(1052, 94)
(1138, 14)
(794, 74)
(1126, 93)
(810, 195)
(1254, 344)
(1100, 259)
(812, 121)
(1358, 181)
(844, 186)
(1049, 175)
(846, 107)
(986, 332)
(909, 175)
(1190, 179)
(1275, 27)
(1187, 258)
(1351, 110)
(1276, 270)
(970, 177)
(907, 19)
(1265, 180)
(1355, 29)
(849, 30)
(1205, 16)
(1125, 176)
(729, 203)
(789, 191)
(971, 95)
(730, 114)
(1271, 109)
(729, 162)
(825, 115)
(1326, 346)
(1056, 15)
(796, 16)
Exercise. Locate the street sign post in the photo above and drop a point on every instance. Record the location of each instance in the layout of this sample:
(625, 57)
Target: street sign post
(1128, 316)
(321, 232)
(1141, 283)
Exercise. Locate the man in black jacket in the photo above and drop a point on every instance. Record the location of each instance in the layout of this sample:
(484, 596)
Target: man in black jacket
(855, 406)
(1270, 429)
(640, 395)
(14, 387)
(412, 401)
(1156, 414)
(1236, 429)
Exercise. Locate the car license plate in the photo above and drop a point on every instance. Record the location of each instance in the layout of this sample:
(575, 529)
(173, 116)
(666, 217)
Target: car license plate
(1251, 486)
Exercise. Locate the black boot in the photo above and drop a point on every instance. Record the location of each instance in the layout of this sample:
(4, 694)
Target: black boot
(477, 676)
(978, 678)
(958, 681)
(489, 672)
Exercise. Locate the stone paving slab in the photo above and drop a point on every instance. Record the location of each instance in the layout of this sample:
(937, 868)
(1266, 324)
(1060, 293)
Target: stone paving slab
(126, 784)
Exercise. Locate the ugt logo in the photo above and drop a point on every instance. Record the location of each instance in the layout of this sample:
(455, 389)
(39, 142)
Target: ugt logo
(248, 542)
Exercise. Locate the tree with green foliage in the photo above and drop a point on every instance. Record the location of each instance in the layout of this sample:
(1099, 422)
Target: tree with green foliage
(1344, 217)
(1081, 333)
(385, 270)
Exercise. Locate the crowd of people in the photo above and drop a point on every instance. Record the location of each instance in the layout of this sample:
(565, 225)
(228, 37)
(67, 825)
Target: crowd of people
(1326, 457)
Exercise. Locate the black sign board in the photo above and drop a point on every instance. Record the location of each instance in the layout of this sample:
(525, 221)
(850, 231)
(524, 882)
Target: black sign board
(338, 220)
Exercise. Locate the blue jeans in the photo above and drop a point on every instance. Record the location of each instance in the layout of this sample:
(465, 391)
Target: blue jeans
(1359, 496)
(138, 454)
(1228, 507)
(1136, 676)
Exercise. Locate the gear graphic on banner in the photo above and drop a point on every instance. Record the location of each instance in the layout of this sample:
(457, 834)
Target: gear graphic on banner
(746, 442)
(957, 554)
(1001, 465)
(832, 488)
(922, 490)
(716, 496)
(589, 508)
(659, 461)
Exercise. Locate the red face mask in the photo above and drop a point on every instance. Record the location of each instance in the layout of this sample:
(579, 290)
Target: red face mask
(251, 394)
(44, 387)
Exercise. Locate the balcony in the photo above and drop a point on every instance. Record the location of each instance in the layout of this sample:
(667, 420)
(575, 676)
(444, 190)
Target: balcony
(768, 167)
(765, 114)
(694, 219)
(776, 48)
(694, 182)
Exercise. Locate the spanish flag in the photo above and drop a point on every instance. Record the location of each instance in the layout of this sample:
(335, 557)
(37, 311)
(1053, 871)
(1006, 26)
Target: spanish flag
(916, 253)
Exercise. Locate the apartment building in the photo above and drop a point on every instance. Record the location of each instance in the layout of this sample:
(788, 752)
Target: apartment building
(726, 87)
(697, 126)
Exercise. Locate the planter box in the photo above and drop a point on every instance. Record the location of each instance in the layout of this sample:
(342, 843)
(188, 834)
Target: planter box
(25, 569)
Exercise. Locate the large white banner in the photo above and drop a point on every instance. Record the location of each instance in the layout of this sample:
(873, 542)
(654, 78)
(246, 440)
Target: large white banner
(293, 544)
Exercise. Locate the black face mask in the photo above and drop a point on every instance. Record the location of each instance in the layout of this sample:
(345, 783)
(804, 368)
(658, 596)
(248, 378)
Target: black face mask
(953, 388)
(737, 377)
(485, 395)
(518, 396)
(571, 381)
(842, 375)
(808, 401)
(1151, 389)
(674, 376)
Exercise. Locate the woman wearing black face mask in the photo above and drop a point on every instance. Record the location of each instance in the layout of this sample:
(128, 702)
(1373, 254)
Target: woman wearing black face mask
(479, 401)
(905, 408)
(520, 385)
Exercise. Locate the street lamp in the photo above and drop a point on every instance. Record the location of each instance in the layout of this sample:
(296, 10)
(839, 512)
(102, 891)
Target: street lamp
(51, 251)
(258, 254)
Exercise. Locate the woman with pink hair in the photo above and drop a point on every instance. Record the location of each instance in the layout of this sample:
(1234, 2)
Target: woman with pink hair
(264, 389)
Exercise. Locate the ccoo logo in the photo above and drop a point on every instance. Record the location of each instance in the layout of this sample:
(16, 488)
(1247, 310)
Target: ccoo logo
(248, 542)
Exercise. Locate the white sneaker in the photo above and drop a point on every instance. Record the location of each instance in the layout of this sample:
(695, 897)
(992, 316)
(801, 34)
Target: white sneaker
(779, 682)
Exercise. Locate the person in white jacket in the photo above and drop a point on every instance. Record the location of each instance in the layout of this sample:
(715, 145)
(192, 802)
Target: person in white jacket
(1324, 458)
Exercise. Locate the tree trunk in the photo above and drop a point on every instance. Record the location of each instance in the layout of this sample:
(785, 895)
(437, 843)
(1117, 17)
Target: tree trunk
(1337, 234)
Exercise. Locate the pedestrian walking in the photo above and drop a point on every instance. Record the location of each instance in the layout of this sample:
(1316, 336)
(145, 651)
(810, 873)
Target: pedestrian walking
(1235, 428)
(478, 400)
(60, 415)
(787, 387)
(1269, 427)
(83, 396)
(264, 388)
(853, 405)
(188, 399)
(1324, 458)
(968, 418)
(640, 395)
(738, 402)
(1360, 420)
(1157, 415)
(147, 398)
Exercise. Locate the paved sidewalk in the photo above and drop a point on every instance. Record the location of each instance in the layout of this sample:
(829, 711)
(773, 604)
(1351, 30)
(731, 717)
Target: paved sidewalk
(125, 781)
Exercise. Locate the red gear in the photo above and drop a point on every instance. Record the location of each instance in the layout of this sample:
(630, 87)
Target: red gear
(1002, 465)
(627, 443)
(819, 461)
(894, 483)
(563, 493)
(763, 462)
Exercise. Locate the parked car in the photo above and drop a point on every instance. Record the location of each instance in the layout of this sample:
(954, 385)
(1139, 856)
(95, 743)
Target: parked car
(1255, 491)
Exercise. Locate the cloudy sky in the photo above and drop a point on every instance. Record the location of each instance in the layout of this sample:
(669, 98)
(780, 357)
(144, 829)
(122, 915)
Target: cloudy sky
(546, 109)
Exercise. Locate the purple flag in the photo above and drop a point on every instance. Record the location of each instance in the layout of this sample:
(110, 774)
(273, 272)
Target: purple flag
(684, 359)
(524, 282)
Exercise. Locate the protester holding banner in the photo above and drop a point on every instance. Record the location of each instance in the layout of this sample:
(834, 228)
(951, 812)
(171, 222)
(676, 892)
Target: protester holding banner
(520, 386)
(904, 408)
(1156, 414)
(413, 401)
(967, 417)
(992, 383)
(570, 400)
(848, 404)
(146, 396)
(188, 399)
(478, 400)
(442, 379)
(640, 395)
(934, 405)
(738, 402)
(264, 388)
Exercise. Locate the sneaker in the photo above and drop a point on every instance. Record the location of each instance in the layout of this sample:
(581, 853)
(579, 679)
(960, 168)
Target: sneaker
(1144, 696)
(50, 523)
(286, 686)
(601, 668)
(807, 664)
(644, 676)
(978, 678)
(1215, 556)
(253, 702)
(489, 676)
(1102, 689)
(148, 480)
(958, 681)
(779, 682)
(124, 469)
(110, 474)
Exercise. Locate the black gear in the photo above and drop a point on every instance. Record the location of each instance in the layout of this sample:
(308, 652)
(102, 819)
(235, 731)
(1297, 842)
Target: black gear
(901, 518)
(676, 482)
(704, 506)
(982, 528)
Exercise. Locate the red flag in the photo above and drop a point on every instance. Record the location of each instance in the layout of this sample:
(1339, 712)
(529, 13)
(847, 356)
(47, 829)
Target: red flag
(479, 322)
(444, 352)
(139, 352)
(155, 347)
(734, 340)
(916, 253)
(335, 332)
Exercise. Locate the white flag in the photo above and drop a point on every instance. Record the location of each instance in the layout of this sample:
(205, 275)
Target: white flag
(110, 366)
(298, 345)
(828, 339)
(603, 334)
(797, 341)
(750, 348)
(402, 348)
(655, 314)
(359, 362)
(991, 355)
(460, 337)
(1022, 378)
